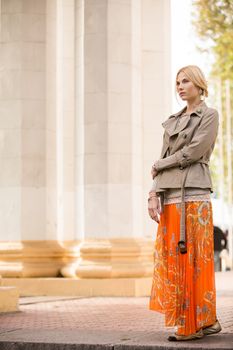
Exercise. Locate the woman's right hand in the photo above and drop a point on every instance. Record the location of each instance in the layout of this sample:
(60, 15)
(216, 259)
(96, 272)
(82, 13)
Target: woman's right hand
(154, 208)
(154, 173)
(154, 170)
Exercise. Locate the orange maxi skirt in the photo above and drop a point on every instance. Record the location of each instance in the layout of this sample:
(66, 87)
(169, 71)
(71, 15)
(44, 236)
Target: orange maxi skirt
(183, 286)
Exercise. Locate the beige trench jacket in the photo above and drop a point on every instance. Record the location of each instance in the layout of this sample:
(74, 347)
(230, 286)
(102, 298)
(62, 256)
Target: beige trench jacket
(190, 147)
(191, 144)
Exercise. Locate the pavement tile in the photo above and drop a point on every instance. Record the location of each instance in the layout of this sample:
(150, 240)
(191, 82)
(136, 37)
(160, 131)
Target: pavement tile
(111, 323)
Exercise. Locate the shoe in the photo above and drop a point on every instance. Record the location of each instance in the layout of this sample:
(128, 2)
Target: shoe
(177, 337)
(214, 328)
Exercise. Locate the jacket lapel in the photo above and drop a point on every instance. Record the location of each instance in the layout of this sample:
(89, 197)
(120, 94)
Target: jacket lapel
(170, 125)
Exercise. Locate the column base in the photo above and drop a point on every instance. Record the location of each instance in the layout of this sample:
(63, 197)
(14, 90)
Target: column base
(113, 258)
(36, 258)
(90, 259)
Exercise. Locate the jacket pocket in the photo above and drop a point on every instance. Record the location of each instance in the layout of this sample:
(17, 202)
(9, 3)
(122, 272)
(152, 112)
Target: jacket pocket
(169, 178)
(199, 176)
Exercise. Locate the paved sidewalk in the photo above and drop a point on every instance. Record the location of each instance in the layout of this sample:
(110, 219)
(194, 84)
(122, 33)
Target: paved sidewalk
(114, 323)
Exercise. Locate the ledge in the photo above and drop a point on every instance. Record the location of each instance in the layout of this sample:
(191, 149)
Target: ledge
(81, 287)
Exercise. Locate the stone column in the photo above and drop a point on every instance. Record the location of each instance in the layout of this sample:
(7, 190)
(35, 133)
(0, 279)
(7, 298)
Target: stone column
(60, 131)
(156, 90)
(9, 138)
(37, 118)
(121, 55)
(10, 130)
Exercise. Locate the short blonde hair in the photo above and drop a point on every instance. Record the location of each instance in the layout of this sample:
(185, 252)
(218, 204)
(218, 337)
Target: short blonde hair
(195, 74)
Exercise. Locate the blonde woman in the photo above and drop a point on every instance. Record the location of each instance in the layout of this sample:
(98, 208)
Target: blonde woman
(183, 286)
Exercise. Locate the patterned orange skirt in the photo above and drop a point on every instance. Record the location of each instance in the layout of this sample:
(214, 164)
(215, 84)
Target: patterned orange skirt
(183, 286)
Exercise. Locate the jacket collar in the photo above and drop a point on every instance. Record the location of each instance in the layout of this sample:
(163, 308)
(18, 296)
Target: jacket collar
(170, 123)
(199, 110)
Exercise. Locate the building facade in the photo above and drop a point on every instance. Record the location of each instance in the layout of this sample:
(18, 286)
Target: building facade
(84, 87)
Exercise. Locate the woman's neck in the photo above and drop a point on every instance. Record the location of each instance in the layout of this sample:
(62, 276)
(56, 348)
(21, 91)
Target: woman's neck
(191, 105)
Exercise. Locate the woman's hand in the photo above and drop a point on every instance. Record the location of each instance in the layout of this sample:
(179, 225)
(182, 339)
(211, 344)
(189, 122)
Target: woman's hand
(154, 173)
(154, 208)
(154, 170)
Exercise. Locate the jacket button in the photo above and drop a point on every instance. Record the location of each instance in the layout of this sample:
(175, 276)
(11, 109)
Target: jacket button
(181, 168)
(198, 110)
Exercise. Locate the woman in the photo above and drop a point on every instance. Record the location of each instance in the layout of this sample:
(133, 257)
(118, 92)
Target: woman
(183, 286)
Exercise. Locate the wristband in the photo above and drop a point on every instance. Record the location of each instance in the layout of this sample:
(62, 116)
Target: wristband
(152, 197)
(152, 193)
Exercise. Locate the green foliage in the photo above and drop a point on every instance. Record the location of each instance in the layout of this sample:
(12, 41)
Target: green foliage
(213, 21)
(215, 159)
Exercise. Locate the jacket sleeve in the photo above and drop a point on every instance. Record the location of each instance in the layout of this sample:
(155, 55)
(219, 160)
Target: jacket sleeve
(153, 186)
(202, 140)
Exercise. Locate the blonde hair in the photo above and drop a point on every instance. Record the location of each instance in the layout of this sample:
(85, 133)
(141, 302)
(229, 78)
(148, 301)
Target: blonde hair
(196, 76)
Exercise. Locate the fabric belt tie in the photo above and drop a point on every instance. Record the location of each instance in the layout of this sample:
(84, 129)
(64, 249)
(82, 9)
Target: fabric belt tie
(182, 244)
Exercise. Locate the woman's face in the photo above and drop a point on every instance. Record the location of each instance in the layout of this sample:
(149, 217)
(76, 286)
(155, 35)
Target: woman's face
(186, 89)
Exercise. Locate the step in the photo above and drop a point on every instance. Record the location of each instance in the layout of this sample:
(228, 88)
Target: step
(9, 298)
(89, 287)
